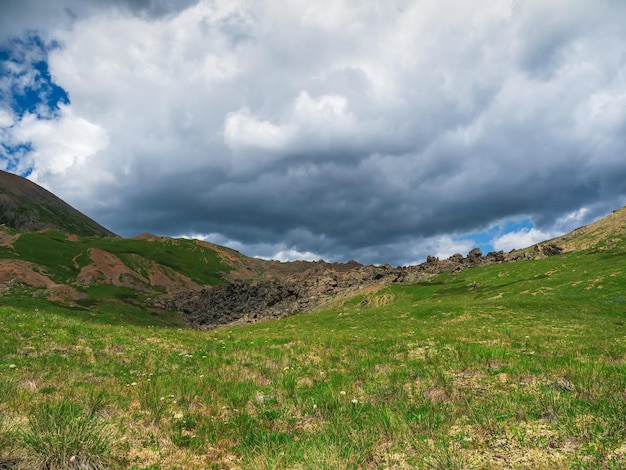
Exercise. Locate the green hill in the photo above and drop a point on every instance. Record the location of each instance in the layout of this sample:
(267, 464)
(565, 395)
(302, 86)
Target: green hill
(103, 276)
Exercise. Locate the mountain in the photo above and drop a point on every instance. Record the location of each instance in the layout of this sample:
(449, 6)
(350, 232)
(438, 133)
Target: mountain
(26, 206)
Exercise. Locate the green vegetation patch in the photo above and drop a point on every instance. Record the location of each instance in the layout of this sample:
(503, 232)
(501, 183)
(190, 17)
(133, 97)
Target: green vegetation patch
(63, 258)
(187, 257)
(518, 365)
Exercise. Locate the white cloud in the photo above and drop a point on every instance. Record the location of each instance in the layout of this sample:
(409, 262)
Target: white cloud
(445, 246)
(291, 254)
(6, 118)
(60, 144)
(442, 247)
(519, 239)
(369, 125)
(571, 220)
(243, 130)
(278, 251)
(328, 109)
(308, 126)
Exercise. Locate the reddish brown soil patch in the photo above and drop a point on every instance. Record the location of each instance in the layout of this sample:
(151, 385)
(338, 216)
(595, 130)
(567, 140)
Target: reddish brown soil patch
(25, 272)
(171, 280)
(109, 269)
(63, 294)
(14, 272)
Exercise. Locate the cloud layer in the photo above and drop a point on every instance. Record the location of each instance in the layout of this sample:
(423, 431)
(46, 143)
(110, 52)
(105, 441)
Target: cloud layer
(379, 131)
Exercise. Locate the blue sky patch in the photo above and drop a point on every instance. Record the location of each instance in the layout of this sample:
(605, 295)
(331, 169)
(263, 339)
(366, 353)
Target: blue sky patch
(484, 239)
(26, 87)
(30, 88)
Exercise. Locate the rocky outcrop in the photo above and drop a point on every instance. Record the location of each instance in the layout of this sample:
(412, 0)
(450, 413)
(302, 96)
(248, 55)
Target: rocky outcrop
(251, 301)
(299, 286)
(228, 303)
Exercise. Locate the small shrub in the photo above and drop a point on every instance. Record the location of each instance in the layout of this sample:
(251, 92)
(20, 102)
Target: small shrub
(63, 436)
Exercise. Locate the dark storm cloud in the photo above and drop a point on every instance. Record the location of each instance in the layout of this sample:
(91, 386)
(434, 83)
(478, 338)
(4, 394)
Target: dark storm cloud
(155, 8)
(336, 129)
(18, 16)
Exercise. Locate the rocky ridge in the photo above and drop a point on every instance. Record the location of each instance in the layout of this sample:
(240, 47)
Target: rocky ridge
(290, 287)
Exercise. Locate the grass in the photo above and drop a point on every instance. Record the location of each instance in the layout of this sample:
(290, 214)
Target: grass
(125, 294)
(62, 435)
(63, 258)
(507, 366)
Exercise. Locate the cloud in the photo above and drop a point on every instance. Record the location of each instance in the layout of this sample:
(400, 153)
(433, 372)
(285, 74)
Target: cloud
(520, 239)
(59, 145)
(6, 118)
(381, 132)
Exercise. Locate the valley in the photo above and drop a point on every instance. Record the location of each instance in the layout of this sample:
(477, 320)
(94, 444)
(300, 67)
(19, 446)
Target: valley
(156, 353)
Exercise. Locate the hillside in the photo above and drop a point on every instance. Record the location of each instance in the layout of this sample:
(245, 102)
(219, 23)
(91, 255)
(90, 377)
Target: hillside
(205, 285)
(25, 205)
(486, 361)
(103, 275)
(70, 263)
(603, 234)
(505, 365)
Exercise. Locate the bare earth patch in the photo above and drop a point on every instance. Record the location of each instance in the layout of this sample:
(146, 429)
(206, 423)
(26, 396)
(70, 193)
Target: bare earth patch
(63, 294)
(171, 280)
(7, 240)
(108, 268)
(25, 272)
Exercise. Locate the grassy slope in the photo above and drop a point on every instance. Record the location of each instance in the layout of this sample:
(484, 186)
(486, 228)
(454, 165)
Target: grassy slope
(62, 259)
(520, 365)
(55, 252)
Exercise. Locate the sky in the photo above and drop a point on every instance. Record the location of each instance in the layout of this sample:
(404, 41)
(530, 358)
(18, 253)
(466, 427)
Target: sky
(381, 131)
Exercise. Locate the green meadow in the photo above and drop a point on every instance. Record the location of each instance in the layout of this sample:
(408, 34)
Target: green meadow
(519, 365)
